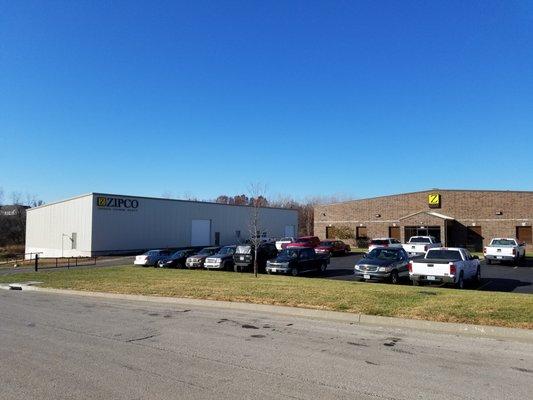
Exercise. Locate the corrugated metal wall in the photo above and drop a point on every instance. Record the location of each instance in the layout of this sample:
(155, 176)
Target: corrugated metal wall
(49, 228)
(114, 226)
(157, 223)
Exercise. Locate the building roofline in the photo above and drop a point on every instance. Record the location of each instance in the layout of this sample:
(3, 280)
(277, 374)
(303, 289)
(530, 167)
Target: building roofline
(429, 191)
(428, 212)
(154, 198)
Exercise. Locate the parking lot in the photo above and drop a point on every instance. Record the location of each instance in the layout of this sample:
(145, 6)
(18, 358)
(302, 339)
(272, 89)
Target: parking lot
(495, 277)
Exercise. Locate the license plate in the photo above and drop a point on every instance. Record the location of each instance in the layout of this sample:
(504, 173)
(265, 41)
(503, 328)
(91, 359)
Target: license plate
(499, 257)
(273, 269)
(366, 276)
(430, 278)
(241, 258)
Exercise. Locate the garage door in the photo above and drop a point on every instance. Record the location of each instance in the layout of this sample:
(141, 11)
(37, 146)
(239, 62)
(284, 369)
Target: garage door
(289, 230)
(201, 232)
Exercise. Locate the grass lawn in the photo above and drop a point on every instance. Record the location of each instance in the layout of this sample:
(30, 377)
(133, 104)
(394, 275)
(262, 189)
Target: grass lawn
(428, 303)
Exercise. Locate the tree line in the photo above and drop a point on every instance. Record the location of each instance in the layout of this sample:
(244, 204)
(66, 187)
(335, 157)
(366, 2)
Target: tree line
(13, 217)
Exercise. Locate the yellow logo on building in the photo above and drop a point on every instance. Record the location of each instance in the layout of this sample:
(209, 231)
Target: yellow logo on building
(102, 201)
(434, 200)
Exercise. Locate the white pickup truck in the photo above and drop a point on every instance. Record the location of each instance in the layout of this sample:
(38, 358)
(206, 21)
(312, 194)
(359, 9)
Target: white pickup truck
(418, 245)
(445, 265)
(504, 249)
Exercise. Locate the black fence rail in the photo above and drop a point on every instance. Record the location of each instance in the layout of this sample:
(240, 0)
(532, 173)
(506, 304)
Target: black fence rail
(37, 262)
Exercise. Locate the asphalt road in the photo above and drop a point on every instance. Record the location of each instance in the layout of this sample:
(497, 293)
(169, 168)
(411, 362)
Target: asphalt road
(496, 277)
(56, 346)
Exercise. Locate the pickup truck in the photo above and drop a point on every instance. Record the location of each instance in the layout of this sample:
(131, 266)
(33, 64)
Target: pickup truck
(504, 249)
(295, 260)
(283, 241)
(418, 245)
(445, 265)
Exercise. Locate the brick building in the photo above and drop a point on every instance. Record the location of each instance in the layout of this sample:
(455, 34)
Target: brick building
(457, 217)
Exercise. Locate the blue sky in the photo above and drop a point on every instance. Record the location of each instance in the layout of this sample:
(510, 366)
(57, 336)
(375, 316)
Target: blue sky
(308, 97)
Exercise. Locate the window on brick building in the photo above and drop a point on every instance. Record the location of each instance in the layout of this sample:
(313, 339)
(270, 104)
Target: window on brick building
(523, 234)
(361, 232)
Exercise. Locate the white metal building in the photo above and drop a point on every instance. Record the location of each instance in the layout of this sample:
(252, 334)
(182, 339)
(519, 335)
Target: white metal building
(98, 223)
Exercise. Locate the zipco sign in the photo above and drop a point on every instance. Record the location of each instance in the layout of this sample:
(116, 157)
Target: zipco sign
(117, 203)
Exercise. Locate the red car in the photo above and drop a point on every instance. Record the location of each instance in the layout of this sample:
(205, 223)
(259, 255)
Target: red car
(304, 241)
(333, 247)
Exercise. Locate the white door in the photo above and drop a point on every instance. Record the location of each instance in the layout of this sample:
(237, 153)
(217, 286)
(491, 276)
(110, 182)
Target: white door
(289, 230)
(201, 232)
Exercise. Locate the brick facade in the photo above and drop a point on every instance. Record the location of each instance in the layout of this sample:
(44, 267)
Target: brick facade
(464, 216)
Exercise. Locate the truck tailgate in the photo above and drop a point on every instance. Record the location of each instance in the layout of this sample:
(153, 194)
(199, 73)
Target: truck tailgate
(414, 248)
(433, 268)
(500, 251)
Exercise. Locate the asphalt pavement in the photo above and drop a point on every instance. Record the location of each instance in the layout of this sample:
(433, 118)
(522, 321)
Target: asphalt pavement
(496, 277)
(56, 346)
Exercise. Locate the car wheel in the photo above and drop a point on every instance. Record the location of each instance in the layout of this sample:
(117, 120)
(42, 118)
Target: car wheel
(416, 283)
(236, 268)
(294, 272)
(477, 278)
(323, 267)
(394, 278)
(489, 261)
(460, 282)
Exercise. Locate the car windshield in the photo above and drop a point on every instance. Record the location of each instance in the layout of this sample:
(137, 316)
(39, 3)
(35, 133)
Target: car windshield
(326, 243)
(419, 240)
(152, 253)
(302, 240)
(243, 249)
(443, 255)
(207, 251)
(379, 242)
(228, 250)
(178, 254)
(383, 254)
(503, 242)
(288, 254)
(286, 239)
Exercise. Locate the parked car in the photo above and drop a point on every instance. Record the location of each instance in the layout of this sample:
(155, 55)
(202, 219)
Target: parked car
(223, 259)
(418, 245)
(197, 260)
(243, 258)
(305, 241)
(296, 260)
(445, 265)
(282, 241)
(333, 247)
(151, 257)
(383, 242)
(382, 264)
(176, 259)
(504, 249)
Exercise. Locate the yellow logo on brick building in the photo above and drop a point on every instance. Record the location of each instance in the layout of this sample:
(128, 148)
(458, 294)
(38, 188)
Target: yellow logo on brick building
(434, 200)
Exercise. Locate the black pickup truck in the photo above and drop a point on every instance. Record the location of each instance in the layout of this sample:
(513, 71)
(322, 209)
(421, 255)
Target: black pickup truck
(295, 260)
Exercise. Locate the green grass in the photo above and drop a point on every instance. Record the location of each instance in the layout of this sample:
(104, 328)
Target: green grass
(428, 303)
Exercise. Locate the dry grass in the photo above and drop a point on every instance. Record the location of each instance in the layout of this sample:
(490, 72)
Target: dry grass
(427, 303)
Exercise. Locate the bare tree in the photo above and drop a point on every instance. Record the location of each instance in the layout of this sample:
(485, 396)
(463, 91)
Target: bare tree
(16, 198)
(257, 193)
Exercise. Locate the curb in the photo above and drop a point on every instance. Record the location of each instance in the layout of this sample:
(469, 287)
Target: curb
(483, 331)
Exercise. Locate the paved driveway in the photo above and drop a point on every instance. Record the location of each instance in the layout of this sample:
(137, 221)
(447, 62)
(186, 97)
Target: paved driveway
(496, 277)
